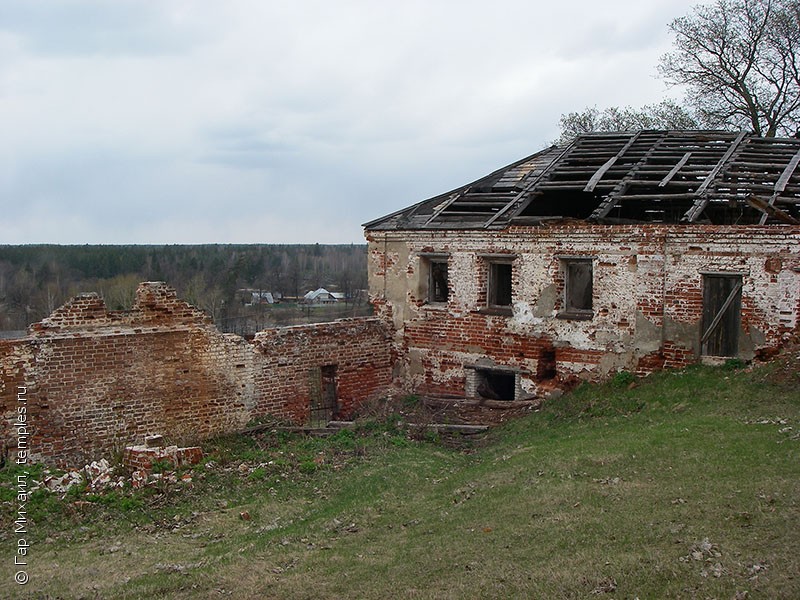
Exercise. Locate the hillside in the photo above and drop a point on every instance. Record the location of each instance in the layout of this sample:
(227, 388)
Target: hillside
(682, 485)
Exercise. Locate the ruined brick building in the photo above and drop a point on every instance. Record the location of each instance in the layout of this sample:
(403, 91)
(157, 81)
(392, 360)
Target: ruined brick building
(632, 251)
(93, 380)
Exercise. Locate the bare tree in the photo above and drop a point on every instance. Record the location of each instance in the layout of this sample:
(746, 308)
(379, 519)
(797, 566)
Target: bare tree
(119, 291)
(739, 61)
(208, 297)
(667, 114)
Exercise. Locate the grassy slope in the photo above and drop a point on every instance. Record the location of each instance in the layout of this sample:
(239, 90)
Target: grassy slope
(673, 488)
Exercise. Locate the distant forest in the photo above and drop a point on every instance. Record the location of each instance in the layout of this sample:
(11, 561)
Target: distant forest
(37, 279)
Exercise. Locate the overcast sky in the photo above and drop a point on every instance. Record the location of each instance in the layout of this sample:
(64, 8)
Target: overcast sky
(258, 121)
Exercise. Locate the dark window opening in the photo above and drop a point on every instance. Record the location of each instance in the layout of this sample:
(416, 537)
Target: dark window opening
(578, 286)
(499, 284)
(438, 283)
(496, 385)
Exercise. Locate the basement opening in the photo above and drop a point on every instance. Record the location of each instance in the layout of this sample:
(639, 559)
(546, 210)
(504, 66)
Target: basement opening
(496, 385)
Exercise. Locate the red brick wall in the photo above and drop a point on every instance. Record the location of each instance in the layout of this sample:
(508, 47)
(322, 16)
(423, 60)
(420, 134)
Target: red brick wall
(646, 305)
(289, 359)
(98, 380)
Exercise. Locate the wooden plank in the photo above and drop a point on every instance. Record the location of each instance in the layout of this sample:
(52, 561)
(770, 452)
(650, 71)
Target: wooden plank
(702, 200)
(451, 428)
(447, 203)
(675, 169)
(609, 163)
(563, 186)
(718, 167)
(783, 180)
(770, 211)
(664, 197)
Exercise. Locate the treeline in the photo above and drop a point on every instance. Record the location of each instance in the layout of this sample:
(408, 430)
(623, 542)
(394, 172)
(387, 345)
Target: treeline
(36, 279)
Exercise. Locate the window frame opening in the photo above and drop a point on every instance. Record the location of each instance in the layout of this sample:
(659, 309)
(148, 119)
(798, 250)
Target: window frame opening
(500, 284)
(433, 288)
(438, 281)
(578, 299)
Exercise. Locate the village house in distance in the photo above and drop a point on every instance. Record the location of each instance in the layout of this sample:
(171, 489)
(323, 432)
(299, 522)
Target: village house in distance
(623, 251)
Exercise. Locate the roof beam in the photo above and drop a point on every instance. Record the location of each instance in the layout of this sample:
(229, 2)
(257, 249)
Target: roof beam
(446, 204)
(595, 179)
(783, 180)
(771, 211)
(529, 186)
(780, 185)
(703, 199)
(612, 199)
(718, 167)
(675, 169)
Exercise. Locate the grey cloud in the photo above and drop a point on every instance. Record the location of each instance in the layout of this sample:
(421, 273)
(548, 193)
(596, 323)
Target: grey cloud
(192, 120)
(95, 27)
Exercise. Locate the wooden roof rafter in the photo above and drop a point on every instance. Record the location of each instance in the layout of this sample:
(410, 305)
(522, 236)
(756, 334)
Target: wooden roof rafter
(702, 197)
(611, 200)
(524, 193)
(598, 175)
(780, 185)
(651, 176)
(678, 166)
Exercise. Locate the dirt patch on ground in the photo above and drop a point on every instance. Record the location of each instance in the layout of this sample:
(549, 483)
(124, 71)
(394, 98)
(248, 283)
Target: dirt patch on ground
(783, 366)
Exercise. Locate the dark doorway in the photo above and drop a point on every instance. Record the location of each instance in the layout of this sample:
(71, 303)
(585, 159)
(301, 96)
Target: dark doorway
(722, 313)
(323, 395)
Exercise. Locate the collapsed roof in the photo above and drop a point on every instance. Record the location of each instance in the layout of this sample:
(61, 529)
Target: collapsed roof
(716, 177)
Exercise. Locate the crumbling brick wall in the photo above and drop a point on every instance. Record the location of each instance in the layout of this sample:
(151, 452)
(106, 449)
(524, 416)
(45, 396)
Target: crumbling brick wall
(290, 359)
(97, 380)
(646, 302)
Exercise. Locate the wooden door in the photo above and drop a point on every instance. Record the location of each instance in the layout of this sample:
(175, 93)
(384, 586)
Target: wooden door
(722, 308)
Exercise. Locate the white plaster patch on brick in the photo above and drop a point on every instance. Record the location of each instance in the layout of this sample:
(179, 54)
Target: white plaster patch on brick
(463, 280)
(523, 319)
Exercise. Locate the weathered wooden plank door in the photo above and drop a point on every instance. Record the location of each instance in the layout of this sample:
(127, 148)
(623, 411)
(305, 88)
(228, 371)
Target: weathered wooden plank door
(722, 315)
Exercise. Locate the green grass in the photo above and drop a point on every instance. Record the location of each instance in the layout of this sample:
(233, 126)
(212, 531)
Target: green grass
(682, 485)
